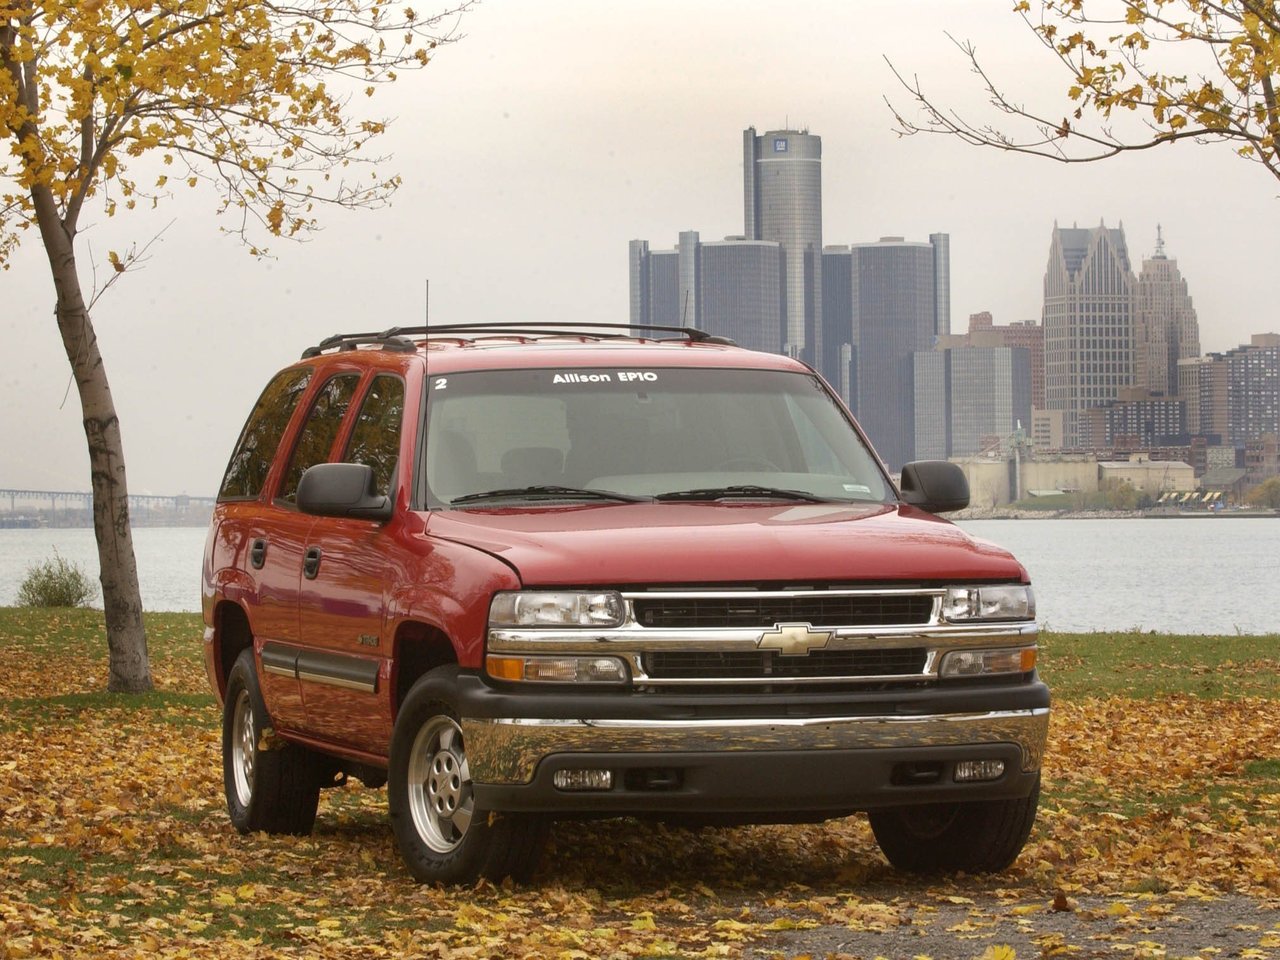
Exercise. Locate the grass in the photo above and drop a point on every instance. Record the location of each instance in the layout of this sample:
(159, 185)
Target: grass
(1143, 665)
(81, 630)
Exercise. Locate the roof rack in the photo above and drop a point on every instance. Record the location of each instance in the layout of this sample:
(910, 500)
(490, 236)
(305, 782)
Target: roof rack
(395, 338)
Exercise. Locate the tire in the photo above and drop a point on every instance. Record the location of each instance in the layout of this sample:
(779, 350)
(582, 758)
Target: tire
(443, 836)
(270, 786)
(977, 836)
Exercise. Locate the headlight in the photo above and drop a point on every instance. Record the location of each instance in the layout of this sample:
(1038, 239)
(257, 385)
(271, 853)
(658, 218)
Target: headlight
(553, 608)
(1012, 602)
(985, 663)
(556, 669)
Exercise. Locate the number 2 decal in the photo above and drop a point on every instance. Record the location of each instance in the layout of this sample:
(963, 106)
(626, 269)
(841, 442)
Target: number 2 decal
(440, 383)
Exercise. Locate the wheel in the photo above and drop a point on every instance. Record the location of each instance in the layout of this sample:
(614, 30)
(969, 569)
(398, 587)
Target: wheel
(977, 836)
(269, 786)
(443, 836)
(748, 463)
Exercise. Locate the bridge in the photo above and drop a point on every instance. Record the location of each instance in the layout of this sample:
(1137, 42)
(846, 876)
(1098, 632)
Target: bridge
(72, 498)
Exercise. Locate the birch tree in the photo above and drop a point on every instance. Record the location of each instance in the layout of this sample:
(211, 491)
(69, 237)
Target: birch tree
(106, 104)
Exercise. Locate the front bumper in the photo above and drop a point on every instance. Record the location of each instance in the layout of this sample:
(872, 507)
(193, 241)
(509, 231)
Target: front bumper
(793, 753)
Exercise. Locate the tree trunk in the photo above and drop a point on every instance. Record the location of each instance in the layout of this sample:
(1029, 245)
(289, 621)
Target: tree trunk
(128, 667)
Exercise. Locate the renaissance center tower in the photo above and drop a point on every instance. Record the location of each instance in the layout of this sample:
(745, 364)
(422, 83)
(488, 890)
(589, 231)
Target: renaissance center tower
(782, 193)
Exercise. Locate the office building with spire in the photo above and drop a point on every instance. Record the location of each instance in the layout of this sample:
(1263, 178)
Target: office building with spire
(1165, 326)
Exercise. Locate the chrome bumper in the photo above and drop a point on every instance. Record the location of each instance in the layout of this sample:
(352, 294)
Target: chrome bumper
(508, 750)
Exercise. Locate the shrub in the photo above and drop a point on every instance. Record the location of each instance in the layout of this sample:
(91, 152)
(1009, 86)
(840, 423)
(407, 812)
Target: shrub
(1266, 494)
(56, 583)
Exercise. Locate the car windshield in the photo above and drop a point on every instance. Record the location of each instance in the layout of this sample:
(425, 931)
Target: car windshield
(676, 434)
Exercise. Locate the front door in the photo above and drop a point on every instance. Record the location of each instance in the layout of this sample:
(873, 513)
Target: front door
(349, 570)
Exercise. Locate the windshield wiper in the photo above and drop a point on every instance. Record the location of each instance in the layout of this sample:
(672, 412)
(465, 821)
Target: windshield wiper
(744, 490)
(547, 491)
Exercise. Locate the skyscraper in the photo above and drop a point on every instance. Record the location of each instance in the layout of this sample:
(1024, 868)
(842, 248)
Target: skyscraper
(782, 193)
(1253, 389)
(1165, 327)
(740, 294)
(731, 288)
(893, 294)
(839, 336)
(964, 395)
(1027, 334)
(1088, 322)
(655, 285)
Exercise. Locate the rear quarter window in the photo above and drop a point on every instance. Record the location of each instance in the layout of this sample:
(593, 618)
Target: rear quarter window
(250, 462)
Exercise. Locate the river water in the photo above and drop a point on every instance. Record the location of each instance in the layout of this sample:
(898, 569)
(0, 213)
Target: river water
(1202, 575)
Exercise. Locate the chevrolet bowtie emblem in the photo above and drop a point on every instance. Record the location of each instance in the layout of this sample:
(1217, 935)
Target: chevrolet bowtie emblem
(793, 639)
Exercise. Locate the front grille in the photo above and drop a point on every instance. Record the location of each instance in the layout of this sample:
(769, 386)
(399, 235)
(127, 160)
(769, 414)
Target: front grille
(768, 664)
(751, 611)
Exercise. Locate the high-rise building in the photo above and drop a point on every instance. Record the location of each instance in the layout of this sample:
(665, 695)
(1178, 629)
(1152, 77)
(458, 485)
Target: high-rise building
(1202, 385)
(1088, 322)
(965, 395)
(1024, 334)
(782, 193)
(1234, 397)
(740, 292)
(1137, 421)
(990, 395)
(731, 288)
(941, 243)
(1165, 326)
(655, 285)
(931, 386)
(1253, 389)
(893, 296)
(839, 335)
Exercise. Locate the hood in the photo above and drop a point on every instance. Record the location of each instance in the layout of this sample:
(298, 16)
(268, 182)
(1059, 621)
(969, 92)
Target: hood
(720, 543)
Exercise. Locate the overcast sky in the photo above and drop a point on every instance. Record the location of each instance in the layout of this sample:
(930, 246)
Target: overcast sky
(533, 150)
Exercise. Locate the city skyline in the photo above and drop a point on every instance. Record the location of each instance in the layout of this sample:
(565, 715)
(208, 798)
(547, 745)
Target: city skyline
(571, 128)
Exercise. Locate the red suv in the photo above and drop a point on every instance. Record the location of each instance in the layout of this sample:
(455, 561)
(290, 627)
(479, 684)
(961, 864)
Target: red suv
(519, 573)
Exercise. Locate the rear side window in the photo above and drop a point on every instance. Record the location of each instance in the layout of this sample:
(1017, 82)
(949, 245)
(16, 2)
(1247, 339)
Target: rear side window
(320, 430)
(247, 471)
(375, 441)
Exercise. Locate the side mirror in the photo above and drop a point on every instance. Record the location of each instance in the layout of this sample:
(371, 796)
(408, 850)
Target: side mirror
(342, 490)
(935, 485)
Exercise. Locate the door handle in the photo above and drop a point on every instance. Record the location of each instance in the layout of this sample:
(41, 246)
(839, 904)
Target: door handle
(258, 553)
(311, 563)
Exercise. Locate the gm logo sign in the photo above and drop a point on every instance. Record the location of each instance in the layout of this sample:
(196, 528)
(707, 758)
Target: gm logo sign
(779, 145)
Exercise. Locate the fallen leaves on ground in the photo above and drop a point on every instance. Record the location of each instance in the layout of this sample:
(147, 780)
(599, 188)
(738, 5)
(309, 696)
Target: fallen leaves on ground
(114, 840)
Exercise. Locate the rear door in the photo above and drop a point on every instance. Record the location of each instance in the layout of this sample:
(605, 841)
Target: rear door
(257, 551)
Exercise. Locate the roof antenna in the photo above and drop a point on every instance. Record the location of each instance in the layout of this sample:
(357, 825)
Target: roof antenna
(1159, 244)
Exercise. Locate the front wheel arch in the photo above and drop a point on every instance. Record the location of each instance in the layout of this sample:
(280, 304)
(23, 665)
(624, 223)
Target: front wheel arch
(428, 779)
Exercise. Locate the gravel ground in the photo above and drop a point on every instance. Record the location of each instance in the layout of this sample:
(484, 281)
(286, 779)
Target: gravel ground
(1088, 927)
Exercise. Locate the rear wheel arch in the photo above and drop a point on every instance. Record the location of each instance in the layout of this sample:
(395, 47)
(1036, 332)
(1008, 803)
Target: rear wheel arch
(232, 635)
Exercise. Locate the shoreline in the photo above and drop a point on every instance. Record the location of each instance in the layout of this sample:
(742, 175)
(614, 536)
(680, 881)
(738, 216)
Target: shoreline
(1013, 513)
